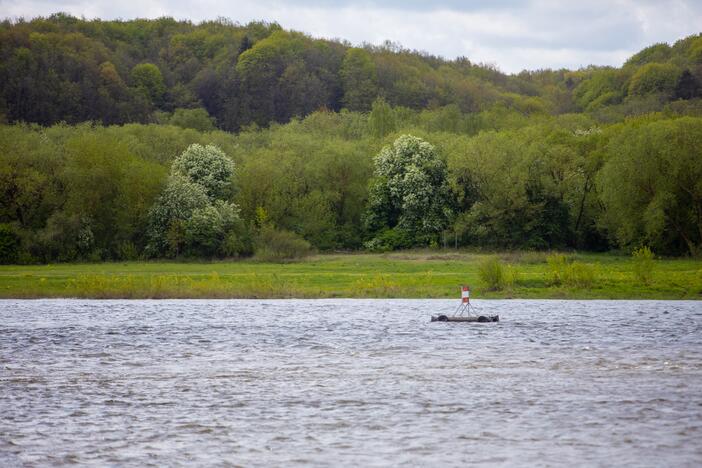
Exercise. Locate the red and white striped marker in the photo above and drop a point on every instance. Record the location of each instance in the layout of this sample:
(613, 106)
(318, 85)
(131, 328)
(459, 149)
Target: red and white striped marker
(465, 294)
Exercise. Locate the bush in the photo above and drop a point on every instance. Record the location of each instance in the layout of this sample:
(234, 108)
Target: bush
(390, 239)
(557, 265)
(512, 276)
(492, 274)
(572, 274)
(274, 245)
(580, 275)
(643, 264)
(126, 250)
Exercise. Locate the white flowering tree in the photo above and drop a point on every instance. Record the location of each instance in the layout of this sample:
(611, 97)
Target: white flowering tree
(410, 192)
(207, 166)
(192, 215)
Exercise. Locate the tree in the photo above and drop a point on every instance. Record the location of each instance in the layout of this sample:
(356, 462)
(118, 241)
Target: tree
(654, 78)
(650, 185)
(278, 81)
(687, 87)
(197, 119)
(381, 119)
(208, 167)
(410, 191)
(603, 86)
(193, 214)
(172, 209)
(358, 80)
(300, 92)
(654, 53)
(204, 232)
(107, 190)
(148, 80)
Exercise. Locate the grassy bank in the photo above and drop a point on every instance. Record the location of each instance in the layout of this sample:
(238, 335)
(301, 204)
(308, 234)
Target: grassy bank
(408, 274)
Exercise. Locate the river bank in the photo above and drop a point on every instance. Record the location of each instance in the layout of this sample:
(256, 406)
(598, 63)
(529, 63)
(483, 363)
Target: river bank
(423, 274)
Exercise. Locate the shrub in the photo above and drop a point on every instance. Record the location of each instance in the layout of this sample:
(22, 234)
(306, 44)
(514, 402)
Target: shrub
(512, 276)
(390, 239)
(643, 264)
(557, 265)
(275, 245)
(572, 274)
(580, 275)
(492, 274)
(126, 250)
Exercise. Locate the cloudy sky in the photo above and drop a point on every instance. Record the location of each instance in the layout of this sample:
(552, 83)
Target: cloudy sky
(512, 34)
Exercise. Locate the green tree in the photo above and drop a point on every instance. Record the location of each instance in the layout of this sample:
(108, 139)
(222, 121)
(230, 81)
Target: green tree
(650, 185)
(517, 188)
(197, 119)
(107, 191)
(204, 232)
(208, 167)
(603, 87)
(176, 204)
(687, 86)
(410, 191)
(148, 80)
(655, 78)
(381, 120)
(358, 78)
(654, 53)
(193, 214)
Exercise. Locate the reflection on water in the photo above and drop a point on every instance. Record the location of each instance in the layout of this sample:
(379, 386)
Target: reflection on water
(349, 382)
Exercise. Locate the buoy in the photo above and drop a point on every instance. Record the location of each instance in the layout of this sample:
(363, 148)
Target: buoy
(479, 319)
(465, 312)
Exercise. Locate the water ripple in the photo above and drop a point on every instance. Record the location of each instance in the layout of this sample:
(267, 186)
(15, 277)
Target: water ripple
(349, 382)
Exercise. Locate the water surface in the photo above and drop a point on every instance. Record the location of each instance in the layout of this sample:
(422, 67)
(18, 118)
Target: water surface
(349, 382)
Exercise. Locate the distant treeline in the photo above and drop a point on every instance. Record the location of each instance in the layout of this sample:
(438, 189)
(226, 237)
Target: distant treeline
(105, 193)
(336, 147)
(65, 69)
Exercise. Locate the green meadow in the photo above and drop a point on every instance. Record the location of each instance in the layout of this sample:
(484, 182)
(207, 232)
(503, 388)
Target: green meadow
(415, 274)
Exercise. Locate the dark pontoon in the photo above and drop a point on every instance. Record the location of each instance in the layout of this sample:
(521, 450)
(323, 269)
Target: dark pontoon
(465, 312)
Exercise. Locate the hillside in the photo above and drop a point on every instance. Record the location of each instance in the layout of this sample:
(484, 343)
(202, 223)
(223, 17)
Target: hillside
(66, 69)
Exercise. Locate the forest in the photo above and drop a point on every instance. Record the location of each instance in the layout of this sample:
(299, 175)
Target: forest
(123, 140)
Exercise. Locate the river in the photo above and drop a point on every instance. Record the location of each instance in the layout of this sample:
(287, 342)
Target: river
(349, 383)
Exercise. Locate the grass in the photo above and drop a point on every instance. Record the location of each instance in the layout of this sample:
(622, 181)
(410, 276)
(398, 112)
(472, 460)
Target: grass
(414, 274)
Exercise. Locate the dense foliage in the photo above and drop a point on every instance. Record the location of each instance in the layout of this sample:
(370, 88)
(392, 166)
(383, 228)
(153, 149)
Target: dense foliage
(193, 215)
(410, 195)
(337, 147)
(62, 68)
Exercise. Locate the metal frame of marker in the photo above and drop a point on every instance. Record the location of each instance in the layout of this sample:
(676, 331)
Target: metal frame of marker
(465, 312)
(465, 306)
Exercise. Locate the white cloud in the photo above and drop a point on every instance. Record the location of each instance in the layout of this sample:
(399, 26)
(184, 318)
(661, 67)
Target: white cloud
(511, 34)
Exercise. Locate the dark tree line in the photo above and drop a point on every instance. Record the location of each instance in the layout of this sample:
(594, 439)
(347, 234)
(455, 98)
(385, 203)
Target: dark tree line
(67, 69)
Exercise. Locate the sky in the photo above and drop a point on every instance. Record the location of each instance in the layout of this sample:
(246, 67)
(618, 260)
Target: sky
(511, 34)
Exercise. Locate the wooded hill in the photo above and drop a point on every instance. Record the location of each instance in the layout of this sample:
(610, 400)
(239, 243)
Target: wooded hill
(66, 69)
(305, 142)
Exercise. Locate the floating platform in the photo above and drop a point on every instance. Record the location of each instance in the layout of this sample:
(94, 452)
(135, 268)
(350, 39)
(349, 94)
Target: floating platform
(461, 318)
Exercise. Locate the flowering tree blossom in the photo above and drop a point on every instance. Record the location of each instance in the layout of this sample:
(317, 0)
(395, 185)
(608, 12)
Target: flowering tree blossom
(410, 191)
